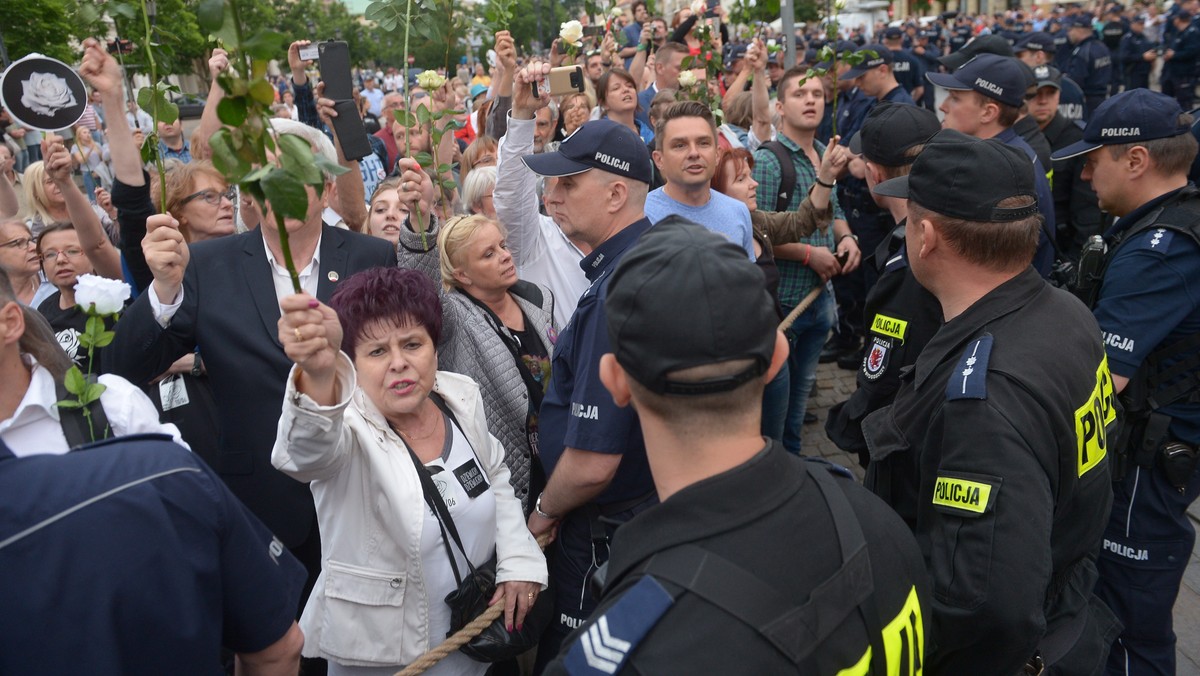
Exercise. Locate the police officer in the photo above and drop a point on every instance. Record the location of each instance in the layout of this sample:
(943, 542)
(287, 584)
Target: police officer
(1062, 43)
(1138, 149)
(927, 53)
(1089, 64)
(595, 460)
(757, 561)
(994, 451)
(1115, 28)
(1179, 61)
(1039, 49)
(900, 315)
(1137, 53)
(907, 68)
(960, 35)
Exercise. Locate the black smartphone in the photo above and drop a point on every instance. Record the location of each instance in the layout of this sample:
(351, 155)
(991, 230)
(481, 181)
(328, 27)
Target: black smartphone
(335, 73)
(593, 31)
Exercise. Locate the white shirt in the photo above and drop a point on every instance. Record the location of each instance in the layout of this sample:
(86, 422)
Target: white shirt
(309, 278)
(140, 120)
(35, 426)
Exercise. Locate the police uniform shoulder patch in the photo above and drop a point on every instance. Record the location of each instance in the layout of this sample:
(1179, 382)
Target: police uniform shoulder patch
(1156, 239)
(606, 643)
(967, 495)
(969, 378)
(875, 361)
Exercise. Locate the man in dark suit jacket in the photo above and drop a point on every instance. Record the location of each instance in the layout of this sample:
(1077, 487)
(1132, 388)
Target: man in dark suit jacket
(226, 301)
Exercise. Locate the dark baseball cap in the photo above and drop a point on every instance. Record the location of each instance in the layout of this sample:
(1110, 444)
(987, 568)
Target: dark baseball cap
(984, 44)
(882, 55)
(1048, 76)
(599, 144)
(1078, 21)
(684, 297)
(890, 130)
(1035, 42)
(1131, 116)
(892, 33)
(733, 54)
(964, 177)
(997, 77)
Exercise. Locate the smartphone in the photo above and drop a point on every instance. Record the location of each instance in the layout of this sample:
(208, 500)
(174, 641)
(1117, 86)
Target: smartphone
(842, 258)
(561, 80)
(592, 31)
(711, 8)
(335, 73)
(310, 53)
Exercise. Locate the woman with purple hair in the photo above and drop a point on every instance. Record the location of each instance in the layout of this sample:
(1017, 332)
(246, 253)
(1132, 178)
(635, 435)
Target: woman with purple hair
(366, 414)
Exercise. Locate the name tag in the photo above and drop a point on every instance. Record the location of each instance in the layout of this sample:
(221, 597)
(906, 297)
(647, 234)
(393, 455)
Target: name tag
(172, 392)
(473, 481)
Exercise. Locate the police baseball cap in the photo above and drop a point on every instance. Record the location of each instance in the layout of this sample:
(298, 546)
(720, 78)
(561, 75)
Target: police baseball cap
(964, 177)
(997, 77)
(1131, 116)
(1048, 76)
(600, 144)
(1035, 42)
(1078, 21)
(892, 33)
(890, 130)
(683, 297)
(878, 56)
(984, 44)
(733, 54)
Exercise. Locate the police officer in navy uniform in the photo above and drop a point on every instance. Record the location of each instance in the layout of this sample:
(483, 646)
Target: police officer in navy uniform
(994, 451)
(1138, 150)
(1179, 61)
(960, 35)
(1114, 29)
(1089, 63)
(1041, 49)
(900, 314)
(757, 561)
(909, 71)
(595, 460)
(1137, 53)
(927, 52)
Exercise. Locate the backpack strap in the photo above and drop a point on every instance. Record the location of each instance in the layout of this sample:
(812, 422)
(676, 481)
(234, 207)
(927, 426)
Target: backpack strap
(787, 174)
(75, 423)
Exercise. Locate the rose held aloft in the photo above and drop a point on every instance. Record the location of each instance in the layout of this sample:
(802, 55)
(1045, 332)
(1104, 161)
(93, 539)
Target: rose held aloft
(46, 93)
(430, 80)
(687, 79)
(100, 295)
(571, 32)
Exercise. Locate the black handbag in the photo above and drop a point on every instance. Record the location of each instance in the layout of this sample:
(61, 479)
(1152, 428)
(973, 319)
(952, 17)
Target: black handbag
(495, 643)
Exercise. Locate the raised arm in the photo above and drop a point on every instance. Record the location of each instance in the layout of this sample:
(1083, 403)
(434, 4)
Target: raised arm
(209, 122)
(9, 206)
(352, 201)
(100, 251)
(760, 96)
(506, 65)
(637, 67)
(515, 194)
(104, 75)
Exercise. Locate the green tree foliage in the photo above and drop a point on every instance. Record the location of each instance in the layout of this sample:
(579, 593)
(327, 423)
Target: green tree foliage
(37, 26)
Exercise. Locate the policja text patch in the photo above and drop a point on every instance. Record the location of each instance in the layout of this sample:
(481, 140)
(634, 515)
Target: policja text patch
(969, 495)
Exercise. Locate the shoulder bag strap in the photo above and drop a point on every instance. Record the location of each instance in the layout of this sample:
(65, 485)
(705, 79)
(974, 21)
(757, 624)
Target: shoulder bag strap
(787, 174)
(434, 499)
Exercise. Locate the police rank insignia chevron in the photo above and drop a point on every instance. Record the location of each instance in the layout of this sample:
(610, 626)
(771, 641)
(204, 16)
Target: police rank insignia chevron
(605, 644)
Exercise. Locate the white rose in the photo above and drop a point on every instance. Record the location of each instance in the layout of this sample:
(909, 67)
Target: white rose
(687, 79)
(771, 42)
(699, 7)
(617, 13)
(46, 93)
(571, 32)
(100, 295)
(430, 80)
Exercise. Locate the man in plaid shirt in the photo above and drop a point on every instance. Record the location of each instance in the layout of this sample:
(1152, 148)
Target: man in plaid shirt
(804, 265)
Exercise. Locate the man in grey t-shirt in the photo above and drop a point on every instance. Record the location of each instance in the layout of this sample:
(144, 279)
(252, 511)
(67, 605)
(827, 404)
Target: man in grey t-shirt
(686, 156)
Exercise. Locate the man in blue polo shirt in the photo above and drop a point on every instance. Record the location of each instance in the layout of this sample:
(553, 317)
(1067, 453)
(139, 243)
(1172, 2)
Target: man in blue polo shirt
(130, 556)
(1138, 152)
(592, 449)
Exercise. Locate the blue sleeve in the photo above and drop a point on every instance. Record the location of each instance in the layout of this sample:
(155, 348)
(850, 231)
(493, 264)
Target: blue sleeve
(594, 422)
(261, 581)
(1149, 289)
(306, 105)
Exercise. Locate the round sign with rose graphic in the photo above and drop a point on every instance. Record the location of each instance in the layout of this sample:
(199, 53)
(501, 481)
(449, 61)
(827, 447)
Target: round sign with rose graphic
(43, 93)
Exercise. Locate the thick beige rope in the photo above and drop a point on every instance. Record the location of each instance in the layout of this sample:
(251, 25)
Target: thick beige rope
(462, 636)
(799, 309)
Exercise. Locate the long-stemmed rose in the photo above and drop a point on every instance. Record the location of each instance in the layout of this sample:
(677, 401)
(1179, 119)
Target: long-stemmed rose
(571, 33)
(100, 299)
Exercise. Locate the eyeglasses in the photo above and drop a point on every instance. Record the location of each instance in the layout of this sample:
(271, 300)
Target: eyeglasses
(211, 196)
(51, 255)
(18, 243)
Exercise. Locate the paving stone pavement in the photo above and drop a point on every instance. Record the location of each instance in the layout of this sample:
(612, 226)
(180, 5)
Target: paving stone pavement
(834, 385)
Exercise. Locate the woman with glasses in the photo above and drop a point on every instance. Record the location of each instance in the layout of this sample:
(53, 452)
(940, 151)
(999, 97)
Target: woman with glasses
(19, 260)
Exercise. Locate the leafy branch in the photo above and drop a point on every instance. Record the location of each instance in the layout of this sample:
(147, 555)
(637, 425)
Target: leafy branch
(275, 169)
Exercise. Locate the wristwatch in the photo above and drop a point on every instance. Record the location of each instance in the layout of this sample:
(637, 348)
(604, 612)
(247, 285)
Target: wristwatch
(537, 507)
(850, 235)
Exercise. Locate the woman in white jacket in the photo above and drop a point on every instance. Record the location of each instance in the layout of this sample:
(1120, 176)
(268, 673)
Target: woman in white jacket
(350, 419)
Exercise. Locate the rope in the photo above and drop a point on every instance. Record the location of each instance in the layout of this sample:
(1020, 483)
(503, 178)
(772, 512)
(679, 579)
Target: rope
(799, 309)
(463, 636)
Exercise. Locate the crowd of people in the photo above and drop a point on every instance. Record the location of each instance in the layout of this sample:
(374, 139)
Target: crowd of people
(577, 363)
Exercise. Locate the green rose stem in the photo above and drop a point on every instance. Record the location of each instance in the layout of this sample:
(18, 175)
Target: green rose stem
(409, 116)
(158, 161)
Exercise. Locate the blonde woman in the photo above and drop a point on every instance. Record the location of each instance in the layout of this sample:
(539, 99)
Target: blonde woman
(497, 329)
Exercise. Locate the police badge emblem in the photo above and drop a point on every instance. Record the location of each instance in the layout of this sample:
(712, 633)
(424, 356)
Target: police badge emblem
(876, 361)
